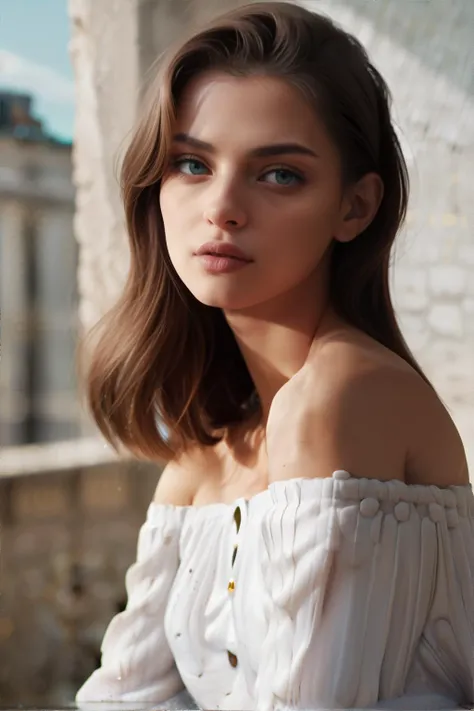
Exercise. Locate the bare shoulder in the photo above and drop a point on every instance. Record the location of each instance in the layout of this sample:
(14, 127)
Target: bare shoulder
(436, 454)
(183, 476)
(385, 420)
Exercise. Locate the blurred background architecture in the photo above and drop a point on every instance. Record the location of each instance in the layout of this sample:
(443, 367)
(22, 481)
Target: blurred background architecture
(69, 510)
(38, 264)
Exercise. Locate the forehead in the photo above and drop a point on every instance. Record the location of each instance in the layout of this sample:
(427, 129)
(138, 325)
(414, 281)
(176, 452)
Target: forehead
(249, 111)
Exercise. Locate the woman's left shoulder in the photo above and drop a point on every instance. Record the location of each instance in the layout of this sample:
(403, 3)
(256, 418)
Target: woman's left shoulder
(380, 390)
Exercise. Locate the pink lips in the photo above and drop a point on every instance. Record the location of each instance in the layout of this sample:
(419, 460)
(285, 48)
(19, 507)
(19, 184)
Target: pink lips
(222, 249)
(222, 257)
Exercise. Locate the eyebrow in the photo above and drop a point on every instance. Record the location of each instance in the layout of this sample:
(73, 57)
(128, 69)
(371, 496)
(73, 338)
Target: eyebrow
(275, 149)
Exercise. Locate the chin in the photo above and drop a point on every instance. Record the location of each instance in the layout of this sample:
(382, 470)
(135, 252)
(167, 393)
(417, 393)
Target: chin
(234, 299)
(226, 303)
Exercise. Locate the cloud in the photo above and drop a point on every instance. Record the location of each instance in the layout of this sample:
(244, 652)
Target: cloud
(46, 84)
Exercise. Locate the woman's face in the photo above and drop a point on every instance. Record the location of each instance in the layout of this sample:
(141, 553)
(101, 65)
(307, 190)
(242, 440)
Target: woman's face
(253, 168)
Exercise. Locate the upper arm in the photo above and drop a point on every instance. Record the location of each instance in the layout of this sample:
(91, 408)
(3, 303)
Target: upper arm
(400, 430)
(436, 453)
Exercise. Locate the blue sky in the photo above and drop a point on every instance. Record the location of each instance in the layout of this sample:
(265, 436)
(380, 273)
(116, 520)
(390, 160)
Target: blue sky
(34, 58)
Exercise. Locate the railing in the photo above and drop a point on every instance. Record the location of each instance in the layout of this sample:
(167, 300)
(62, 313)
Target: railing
(33, 459)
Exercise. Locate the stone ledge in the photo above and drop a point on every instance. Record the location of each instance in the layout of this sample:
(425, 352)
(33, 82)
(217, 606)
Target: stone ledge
(55, 457)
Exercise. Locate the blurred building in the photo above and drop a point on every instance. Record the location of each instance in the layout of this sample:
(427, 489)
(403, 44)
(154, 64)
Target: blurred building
(38, 263)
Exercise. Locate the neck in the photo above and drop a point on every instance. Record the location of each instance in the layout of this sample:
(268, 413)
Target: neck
(275, 337)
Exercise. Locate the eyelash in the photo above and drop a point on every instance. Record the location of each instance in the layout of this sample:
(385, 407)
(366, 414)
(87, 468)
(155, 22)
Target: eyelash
(177, 162)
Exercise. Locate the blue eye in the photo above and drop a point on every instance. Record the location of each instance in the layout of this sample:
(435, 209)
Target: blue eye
(190, 166)
(284, 177)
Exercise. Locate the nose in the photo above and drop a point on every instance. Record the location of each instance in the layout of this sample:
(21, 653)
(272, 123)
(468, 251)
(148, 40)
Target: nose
(225, 211)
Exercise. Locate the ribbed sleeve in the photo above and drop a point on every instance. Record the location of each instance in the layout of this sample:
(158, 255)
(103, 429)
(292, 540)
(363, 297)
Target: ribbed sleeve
(371, 589)
(137, 664)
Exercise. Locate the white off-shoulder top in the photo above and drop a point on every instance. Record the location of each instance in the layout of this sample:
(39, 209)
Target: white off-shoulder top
(315, 594)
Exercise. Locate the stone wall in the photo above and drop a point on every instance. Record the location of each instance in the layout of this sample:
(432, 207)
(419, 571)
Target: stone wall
(67, 541)
(424, 49)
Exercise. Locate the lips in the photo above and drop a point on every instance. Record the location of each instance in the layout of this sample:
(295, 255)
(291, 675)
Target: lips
(222, 249)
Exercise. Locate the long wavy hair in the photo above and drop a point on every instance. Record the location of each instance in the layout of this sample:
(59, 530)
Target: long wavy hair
(165, 371)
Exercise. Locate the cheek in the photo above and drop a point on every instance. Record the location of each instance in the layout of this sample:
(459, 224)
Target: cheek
(298, 237)
(304, 221)
(176, 214)
(180, 215)
(177, 199)
(169, 202)
(172, 218)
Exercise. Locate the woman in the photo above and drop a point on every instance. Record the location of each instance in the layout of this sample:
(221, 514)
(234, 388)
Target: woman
(311, 541)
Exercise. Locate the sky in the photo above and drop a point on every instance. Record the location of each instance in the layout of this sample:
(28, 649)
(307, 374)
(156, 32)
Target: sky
(34, 58)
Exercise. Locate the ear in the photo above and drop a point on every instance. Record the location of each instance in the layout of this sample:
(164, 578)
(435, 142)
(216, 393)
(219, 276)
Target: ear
(359, 207)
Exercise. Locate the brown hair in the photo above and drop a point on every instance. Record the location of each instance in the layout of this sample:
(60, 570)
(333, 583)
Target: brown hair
(163, 359)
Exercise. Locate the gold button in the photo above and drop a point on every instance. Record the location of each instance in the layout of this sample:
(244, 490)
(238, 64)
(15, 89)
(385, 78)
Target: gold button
(233, 661)
(231, 586)
(238, 517)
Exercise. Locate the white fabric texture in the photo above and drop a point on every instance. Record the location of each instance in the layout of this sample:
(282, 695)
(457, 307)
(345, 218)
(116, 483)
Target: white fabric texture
(347, 593)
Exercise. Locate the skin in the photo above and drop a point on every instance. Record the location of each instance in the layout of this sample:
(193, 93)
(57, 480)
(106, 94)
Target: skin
(284, 211)
(323, 385)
